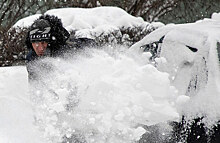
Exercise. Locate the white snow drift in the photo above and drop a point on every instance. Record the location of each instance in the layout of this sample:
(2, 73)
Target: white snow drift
(107, 95)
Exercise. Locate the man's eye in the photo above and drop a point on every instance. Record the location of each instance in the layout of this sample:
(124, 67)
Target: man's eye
(43, 42)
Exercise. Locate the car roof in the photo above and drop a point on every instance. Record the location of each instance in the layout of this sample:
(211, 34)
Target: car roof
(192, 34)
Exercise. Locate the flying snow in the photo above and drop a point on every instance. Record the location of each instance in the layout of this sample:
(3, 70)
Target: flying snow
(101, 97)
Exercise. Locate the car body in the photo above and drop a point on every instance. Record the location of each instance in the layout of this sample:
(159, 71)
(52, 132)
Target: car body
(192, 53)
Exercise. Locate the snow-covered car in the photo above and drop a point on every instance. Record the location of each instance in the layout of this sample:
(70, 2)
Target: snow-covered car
(192, 53)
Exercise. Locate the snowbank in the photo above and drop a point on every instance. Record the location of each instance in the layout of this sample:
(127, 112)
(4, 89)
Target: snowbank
(16, 115)
(216, 16)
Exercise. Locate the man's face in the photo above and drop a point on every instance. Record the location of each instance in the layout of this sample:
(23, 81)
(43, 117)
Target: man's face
(40, 47)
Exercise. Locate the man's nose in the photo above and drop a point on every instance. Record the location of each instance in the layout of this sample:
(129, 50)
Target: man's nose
(40, 46)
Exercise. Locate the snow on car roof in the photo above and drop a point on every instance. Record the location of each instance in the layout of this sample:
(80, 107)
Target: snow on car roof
(192, 34)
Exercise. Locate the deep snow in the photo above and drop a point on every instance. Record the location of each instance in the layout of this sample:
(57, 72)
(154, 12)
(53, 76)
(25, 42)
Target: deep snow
(16, 114)
(100, 96)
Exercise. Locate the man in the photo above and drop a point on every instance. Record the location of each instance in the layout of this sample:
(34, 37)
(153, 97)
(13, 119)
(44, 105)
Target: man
(46, 38)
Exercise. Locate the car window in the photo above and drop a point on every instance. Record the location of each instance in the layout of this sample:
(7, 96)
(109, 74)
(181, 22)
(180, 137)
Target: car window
(154, 48)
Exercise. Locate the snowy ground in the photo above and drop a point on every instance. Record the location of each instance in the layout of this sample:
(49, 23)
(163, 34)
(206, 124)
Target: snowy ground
(103, 96)
(16, 114)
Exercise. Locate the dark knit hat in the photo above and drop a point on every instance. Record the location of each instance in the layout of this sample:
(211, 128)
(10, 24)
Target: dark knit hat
(40, 31)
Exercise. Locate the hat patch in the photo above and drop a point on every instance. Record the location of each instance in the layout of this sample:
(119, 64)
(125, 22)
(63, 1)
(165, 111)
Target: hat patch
(39, 35)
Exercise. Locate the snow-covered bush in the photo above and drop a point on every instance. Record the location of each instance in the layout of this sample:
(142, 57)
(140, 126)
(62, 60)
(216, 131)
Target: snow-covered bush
(116, 36)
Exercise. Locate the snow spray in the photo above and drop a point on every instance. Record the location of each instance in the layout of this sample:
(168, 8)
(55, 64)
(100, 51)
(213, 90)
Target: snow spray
(101, 96)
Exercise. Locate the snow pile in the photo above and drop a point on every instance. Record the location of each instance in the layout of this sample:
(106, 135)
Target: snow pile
(16, 115)
(216, 16)
(105, 98)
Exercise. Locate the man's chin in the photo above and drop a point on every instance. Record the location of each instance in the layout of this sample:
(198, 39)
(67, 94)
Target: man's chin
(40, 54)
